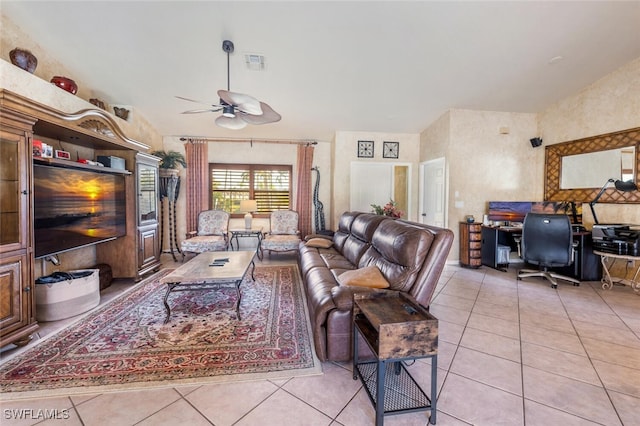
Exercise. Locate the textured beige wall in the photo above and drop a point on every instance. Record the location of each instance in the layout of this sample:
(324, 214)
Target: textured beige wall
(483, 163)
(345, 151)
(608, 105)
(37, 86)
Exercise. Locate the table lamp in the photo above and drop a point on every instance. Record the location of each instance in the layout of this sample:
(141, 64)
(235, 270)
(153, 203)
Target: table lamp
(620, 186)
(248, 206)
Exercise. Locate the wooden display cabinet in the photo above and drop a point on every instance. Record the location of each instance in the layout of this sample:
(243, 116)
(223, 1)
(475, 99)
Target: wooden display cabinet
(89, 132)
(17, 304)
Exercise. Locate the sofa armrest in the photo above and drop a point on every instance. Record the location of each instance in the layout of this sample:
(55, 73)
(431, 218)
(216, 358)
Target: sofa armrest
(343, 295)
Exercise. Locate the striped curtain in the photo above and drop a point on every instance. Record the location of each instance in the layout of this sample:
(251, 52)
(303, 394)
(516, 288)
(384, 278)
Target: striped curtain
(197, 179)
(303, 192)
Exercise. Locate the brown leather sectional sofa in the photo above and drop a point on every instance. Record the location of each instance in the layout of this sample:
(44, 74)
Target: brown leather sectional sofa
(411, 256)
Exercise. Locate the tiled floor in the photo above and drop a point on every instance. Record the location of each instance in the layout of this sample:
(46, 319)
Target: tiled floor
(510, 353)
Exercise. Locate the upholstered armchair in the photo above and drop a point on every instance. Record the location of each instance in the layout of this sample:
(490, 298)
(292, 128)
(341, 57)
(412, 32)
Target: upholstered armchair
(283, 235)
(212, 233)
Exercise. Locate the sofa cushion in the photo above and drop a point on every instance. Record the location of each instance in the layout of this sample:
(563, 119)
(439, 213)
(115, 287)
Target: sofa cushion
(364, 277)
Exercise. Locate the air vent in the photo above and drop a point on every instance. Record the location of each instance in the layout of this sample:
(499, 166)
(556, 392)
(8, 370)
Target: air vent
(254, 61)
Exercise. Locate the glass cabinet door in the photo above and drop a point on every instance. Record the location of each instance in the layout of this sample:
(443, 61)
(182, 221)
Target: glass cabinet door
(13, 185)
(147, 193)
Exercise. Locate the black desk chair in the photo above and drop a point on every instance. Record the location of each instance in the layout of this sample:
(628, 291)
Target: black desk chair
(547, 241)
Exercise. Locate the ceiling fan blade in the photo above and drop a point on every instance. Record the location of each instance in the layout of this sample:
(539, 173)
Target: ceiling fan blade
(193, 100)
(198, 111)
(244, 103)
(268, 116)
(235, 123)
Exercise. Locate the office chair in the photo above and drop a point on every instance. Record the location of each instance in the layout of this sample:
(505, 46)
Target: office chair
(547, 241)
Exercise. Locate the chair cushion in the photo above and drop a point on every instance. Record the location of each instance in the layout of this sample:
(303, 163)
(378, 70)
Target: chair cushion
(213, 222)
(369, 276)
(280, 242)
(284, 222)
(319, 243)
(202, 243)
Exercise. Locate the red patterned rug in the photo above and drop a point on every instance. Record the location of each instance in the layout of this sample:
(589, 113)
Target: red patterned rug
(125, 344)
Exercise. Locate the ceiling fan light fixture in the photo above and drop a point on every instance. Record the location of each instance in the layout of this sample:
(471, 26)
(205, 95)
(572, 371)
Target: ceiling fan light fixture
(228, 111)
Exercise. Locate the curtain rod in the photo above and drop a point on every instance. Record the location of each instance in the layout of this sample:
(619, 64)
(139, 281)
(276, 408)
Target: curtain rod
(251, 141)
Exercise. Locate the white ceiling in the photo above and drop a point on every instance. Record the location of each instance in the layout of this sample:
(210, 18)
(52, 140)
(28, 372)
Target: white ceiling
(334, 66)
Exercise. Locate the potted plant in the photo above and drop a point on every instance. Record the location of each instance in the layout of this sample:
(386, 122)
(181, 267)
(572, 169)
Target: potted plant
(169, 162)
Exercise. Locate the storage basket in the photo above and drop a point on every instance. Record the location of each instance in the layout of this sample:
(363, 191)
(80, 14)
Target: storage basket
(67, 298)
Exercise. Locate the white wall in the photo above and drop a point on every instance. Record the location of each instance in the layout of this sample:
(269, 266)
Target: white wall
(345, 151)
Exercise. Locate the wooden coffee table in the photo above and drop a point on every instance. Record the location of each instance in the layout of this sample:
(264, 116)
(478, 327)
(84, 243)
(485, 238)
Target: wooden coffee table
(209, 271)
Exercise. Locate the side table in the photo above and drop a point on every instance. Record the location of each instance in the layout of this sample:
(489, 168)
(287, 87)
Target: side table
(631, 270)
(242, 233)
(396, 329)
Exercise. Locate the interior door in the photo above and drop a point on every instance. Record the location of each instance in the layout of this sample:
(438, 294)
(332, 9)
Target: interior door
(433, 203)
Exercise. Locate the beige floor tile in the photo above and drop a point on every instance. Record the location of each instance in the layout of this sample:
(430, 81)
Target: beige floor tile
(494, 325)
(568, 342)
(479, 404)
(612, 353)
(508, 313)
(33, 411)
(569, 395)
(622, 337)
(547, 321)
(225, 403)
(627, 408)
(449, 332)
(121, 408)
(456, 302)
(447, 313)
(540, 415)
(492, 344)
(502, 299)
(558, 362)
(488, 369)
(282, 408)
(178, 413)
(336, 380)
(618, 378)
(462, 288)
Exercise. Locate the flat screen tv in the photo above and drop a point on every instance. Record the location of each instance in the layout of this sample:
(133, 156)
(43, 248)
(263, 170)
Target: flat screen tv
(75, 208)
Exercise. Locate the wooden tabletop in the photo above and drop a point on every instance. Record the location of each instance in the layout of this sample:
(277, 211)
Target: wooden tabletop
(199, 269)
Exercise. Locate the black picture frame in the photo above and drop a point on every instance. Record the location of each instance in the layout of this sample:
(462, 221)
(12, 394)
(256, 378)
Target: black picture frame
(390, 149)
(365, 149)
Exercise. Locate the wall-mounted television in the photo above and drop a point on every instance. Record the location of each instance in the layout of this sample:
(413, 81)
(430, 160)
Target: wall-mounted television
(74, 208)
(515, 211)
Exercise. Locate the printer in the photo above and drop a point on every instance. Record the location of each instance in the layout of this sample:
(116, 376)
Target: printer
(616, 238)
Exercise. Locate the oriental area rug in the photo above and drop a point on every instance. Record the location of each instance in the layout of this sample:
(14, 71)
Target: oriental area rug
(125, 345)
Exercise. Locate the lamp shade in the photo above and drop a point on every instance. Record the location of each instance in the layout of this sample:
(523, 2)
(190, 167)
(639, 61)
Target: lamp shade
(248, 206)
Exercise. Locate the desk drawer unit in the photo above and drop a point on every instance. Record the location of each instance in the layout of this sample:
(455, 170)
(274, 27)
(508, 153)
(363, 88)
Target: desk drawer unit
(470, 244)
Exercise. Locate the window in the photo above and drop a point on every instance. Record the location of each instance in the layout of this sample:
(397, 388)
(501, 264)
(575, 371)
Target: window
(269, 185)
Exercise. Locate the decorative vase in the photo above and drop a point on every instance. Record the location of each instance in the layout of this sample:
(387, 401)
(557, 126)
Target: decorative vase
(121, 112)
(23, 59)
(168, 172)
(66, 84)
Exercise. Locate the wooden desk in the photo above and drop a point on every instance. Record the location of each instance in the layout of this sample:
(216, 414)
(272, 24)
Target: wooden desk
(586, 265)
(630, 264)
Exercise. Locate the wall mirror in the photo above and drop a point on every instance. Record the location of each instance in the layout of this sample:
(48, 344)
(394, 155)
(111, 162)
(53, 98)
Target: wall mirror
(577, 170)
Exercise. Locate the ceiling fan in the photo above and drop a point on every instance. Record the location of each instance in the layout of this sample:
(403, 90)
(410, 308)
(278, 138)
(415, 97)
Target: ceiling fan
(238, 109)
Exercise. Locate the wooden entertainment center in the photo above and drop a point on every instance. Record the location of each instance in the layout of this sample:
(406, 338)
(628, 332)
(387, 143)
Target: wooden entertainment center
(83, 134)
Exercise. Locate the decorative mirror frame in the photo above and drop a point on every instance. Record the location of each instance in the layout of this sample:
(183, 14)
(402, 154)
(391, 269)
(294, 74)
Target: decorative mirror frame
(553, 167)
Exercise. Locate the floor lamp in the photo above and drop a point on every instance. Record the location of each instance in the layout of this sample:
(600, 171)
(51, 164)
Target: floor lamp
(620, 186)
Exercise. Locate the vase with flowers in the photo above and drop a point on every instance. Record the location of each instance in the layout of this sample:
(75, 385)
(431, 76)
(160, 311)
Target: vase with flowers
(390, 209)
